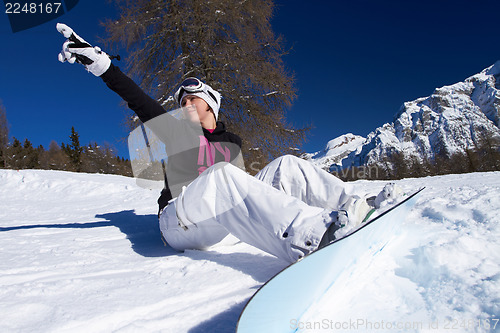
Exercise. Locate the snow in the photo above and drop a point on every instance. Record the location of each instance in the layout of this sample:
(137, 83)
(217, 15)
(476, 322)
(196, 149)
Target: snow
(82, 253)
(441, 273)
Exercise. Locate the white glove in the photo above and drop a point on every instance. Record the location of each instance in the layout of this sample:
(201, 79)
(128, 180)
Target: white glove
(76, 49)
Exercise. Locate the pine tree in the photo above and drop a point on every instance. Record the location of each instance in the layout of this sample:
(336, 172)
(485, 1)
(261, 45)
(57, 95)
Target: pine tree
(74, 150)
(30, 156)
(15, 154)
(231, 46)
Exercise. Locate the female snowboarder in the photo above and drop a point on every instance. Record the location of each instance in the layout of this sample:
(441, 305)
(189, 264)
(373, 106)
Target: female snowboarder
(289, 209)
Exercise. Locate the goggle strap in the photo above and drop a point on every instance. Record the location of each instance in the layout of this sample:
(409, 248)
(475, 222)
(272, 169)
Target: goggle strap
(212, 95)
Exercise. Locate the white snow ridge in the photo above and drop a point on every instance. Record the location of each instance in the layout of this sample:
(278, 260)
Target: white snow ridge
(82, 253)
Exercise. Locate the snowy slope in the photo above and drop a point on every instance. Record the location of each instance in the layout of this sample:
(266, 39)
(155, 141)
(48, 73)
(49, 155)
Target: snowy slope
(453, 119)
(81, 253)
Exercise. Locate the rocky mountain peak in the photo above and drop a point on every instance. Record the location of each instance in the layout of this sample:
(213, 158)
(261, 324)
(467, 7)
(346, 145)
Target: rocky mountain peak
(452, 120)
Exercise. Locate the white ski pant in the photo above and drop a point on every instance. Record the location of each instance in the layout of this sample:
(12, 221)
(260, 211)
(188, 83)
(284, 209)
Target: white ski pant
(284, 210)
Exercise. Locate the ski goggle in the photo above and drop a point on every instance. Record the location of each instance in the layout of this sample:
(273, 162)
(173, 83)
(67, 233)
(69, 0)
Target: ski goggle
(192, 85)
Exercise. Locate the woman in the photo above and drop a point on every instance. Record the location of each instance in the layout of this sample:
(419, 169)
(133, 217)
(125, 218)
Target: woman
(289, 209)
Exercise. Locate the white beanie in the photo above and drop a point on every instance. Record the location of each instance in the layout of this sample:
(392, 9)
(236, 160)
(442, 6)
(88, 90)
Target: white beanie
(209, 95)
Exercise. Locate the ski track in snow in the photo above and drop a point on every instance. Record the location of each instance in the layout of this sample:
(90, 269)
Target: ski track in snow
(82, 253)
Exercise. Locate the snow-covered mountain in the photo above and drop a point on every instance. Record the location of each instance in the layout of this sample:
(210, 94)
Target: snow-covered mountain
(336, 150)
(82, 253)
(455, 118)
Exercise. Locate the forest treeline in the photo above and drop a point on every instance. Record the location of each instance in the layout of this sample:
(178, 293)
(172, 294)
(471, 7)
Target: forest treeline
(484, 157)
(90, 158)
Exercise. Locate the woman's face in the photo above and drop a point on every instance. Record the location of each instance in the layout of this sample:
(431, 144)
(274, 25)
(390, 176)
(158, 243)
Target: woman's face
(197, 109)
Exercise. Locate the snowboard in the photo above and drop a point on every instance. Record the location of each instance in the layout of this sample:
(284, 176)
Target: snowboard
(281, 302)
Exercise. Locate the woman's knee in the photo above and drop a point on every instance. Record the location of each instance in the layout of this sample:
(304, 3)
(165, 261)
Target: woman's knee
(195, 236)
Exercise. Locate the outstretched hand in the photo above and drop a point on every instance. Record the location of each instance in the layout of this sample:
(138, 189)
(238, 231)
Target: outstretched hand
(76, 49)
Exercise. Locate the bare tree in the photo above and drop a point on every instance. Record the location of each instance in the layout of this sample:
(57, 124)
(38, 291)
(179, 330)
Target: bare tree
(55, 158)
(230, 45)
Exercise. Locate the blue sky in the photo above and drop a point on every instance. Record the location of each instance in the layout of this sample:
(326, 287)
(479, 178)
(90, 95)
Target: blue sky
(355, 63)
